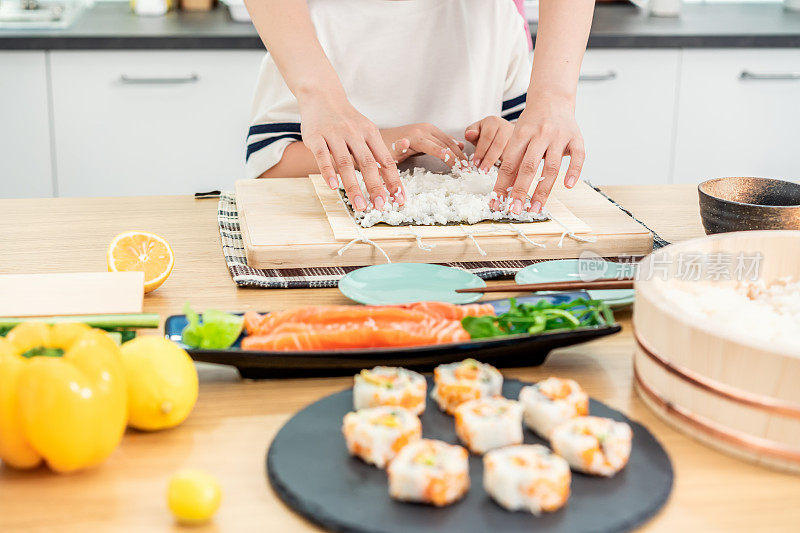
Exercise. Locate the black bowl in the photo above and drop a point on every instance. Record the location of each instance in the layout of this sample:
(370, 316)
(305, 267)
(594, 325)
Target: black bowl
(743, 204)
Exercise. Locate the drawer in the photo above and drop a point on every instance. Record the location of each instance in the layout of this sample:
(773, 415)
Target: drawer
(625, 105)
(25, 154)
(739, 114)
(151, 122)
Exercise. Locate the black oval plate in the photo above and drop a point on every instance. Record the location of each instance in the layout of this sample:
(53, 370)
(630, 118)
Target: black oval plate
(310, 469)
(525, 350)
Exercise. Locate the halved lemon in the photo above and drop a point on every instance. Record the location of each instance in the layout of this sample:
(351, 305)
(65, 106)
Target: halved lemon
(141, 251)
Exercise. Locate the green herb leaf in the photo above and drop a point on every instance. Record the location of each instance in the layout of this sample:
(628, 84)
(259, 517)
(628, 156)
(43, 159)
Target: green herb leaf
(215, 331)
(539, 317)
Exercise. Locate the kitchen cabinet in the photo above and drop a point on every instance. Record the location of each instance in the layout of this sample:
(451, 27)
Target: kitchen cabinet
(625, 106)
(739, 114)
(25, 154)
(150, 122)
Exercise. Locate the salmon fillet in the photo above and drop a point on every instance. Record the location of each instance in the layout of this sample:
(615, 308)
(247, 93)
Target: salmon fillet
(294, 336)
(451, 311)
(346, 326)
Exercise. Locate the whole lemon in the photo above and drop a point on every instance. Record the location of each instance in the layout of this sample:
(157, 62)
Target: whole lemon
(193, 496)
(162, 383)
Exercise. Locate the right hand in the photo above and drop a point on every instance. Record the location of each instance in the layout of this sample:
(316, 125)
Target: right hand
(342, 139)
(414, 139)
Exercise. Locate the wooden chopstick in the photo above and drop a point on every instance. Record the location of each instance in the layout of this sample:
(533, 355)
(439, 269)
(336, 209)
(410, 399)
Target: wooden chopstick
(612, 283)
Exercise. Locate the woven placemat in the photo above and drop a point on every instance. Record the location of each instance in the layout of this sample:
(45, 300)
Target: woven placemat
(324, 277)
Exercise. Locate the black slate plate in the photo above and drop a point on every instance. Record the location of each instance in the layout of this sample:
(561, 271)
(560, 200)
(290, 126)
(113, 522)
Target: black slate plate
(528, 350)
(310, 469)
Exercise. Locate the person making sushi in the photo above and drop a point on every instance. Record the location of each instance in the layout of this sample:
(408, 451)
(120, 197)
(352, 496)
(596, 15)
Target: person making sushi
(426, 73)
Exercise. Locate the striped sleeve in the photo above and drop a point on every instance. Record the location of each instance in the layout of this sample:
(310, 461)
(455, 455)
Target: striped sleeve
(260, 136)
(512, 108)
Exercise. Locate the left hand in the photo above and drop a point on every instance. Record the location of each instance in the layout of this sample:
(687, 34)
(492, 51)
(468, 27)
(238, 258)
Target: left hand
(490, 137)
(546, 130)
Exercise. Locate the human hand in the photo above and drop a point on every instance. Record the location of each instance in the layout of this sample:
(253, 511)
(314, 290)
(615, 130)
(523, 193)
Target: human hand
(341, 139)
(546, 130)
(405, 141)
(490, 137)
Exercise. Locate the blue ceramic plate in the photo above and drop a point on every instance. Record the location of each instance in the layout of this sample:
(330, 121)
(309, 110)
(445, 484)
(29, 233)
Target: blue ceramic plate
(402, 283)
(568, 270)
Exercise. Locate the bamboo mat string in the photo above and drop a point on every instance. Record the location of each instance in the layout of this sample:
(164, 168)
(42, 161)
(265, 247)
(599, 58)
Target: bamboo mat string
(568, 232)
(412, 230)
(361, 237)
(472, 238)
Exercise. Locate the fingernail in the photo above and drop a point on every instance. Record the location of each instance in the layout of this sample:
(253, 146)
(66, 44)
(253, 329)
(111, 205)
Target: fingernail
(360, 203)
(477, 161)
(334, 183)
(379, 203)
(516, 207)
(536, 206)
(571, 181)
(400, 197)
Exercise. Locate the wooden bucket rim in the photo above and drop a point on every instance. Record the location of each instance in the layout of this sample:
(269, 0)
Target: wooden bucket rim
(645, 288)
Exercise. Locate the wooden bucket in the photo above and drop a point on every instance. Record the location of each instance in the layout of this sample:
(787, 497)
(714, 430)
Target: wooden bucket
(725, 388)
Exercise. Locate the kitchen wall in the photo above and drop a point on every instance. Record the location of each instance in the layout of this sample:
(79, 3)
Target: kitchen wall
(654, 107)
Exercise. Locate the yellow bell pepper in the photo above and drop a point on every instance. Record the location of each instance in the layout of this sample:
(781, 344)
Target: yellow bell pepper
(63, 396)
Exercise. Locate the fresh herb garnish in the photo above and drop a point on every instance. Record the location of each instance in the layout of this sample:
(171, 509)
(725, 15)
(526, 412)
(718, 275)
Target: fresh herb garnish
(217, 330)
(542, 316)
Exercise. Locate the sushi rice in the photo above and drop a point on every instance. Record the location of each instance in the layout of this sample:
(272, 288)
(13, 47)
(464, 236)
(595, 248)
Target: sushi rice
(488, 423)
(393, 386)
(528, 477)
(457, 383)
(429, 471)
(552, 401)
(593, 445)
(377, 434)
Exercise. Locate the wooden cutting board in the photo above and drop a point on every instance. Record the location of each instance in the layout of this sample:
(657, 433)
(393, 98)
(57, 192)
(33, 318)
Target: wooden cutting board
(85, 293)
(285, 225)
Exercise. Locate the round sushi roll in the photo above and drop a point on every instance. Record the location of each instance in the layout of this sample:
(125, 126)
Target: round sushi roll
(593, 445)
(377, 434)
(468, 380)
(551, 402)
(429, 471)
(388, 385)
(489, 423)
(528, 477)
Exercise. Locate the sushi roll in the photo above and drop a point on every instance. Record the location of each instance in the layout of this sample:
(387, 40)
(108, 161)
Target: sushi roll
(489, 423)
(468, 380)
(551, 402)
(429, 471)
(593, 445)
(528, 477)
(388, 385)
(377, 434)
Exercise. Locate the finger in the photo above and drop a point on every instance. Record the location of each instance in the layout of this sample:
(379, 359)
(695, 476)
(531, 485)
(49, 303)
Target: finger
(527, 173)
(347, 171)
(450, 143)
(322, 155)
(435, 148)
(512, 157)
(488, 133)
(552, 164)
(577, 156)
(473, 132)
(495, 150)
(388, 168)
(369, 171)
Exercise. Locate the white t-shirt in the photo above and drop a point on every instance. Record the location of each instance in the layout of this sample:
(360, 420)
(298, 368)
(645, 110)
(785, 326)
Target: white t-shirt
(445, 62)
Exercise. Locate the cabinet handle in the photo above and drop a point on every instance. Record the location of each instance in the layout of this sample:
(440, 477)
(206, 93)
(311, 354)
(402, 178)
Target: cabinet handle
(191, 78)
(603, 76)
(747, 75)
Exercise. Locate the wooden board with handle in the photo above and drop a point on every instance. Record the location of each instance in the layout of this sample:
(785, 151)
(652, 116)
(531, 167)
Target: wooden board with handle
(83, 293)
(284, 225)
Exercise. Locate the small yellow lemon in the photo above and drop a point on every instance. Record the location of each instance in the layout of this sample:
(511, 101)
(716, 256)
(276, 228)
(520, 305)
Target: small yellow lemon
(193, 496)
(162, 383)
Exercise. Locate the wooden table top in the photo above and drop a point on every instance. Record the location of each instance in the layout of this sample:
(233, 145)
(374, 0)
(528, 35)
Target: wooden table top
(231, 427)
